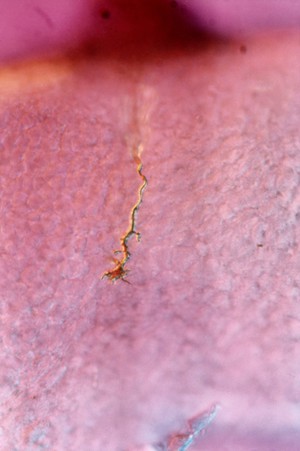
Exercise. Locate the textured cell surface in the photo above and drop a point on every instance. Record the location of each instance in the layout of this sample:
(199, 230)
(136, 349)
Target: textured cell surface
(212, 312)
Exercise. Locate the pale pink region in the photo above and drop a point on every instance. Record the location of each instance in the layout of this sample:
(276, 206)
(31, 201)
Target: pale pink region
(243, 16)
(40, 27)
(212, 314)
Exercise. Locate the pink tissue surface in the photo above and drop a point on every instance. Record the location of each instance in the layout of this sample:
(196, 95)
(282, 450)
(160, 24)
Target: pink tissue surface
(211, 313)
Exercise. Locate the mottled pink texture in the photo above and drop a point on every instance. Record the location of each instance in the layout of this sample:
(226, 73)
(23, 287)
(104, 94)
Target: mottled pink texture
(212, 311)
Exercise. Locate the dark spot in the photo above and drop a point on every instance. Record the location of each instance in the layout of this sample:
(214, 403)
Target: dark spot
(105, 14)
(243, 49)
(173, 4)
(165, 30)
(260, 245)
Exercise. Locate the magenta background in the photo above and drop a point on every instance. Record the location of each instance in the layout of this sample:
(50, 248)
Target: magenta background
(36, 28)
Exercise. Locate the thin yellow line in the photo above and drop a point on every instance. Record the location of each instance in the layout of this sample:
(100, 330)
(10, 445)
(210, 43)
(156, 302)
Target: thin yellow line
(119, 271)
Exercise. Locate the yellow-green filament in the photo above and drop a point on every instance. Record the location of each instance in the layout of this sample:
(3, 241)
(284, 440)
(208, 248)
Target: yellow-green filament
(119, 271)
